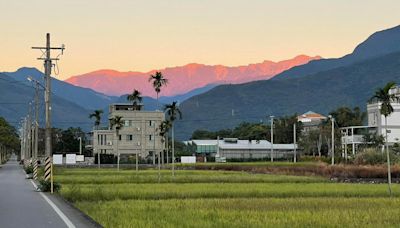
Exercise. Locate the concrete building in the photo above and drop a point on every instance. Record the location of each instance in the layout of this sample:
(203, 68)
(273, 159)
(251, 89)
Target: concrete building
(232, 148)
(311, 121)
(139, 134)
(353, 136)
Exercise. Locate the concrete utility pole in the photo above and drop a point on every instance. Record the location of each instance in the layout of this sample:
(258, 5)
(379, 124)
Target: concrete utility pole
(47, 66)
(333, 139)
(80, 145)
(29, 131)
(36, 129)
(294, 143)
(272, 138)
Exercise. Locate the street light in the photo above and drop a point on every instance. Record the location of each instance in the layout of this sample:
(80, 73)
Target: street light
(333, 138)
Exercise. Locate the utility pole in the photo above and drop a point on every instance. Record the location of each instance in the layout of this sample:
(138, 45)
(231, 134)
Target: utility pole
(36, 122)
(333, 139)
(272, 138)
(29, 131)
(80, 145)
(47, 66)
(294, 143)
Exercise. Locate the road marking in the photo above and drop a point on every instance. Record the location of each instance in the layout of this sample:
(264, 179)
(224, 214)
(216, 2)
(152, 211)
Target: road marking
(55, 208)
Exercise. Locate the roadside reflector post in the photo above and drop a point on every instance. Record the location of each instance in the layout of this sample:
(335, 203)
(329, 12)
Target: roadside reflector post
(35, 168)
(51, 174)
(48, 172)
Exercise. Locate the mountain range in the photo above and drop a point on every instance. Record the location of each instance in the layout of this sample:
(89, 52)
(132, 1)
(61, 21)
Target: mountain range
(15, 99)
(321, 86)
(71, 104)
(183, 79)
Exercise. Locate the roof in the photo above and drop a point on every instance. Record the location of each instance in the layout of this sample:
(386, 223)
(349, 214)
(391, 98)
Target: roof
(310, 116)
(241, 144)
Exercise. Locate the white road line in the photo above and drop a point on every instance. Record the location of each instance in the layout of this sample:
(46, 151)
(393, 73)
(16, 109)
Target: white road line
(55, 208)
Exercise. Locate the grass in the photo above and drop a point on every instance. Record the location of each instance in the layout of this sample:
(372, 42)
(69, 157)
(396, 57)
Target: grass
(248, 212)
(204, 198)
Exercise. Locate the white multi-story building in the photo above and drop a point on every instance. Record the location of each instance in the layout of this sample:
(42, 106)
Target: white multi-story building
(376, 124)
(139, 134)
(376, 120)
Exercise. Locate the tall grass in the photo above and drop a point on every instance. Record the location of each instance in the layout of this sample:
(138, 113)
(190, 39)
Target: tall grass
(249, 212)
(225, 190)
(204, 198)
(182, 176)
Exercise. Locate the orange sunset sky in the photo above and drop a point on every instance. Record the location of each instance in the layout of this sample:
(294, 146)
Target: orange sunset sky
(128, 35)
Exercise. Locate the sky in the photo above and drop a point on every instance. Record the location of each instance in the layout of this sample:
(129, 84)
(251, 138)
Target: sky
(129, 35)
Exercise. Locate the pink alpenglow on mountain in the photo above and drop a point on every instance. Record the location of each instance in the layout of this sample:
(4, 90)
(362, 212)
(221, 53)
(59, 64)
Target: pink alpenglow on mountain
(183, 79)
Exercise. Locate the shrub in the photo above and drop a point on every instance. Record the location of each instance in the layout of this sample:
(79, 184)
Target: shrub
(45, 186)
(370, 156)
(29, 169)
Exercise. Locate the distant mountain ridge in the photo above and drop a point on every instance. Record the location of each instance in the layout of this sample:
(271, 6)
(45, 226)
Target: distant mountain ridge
(16, 96)
(84, 97)
(378, 44)
(320, 86)
(183, 78)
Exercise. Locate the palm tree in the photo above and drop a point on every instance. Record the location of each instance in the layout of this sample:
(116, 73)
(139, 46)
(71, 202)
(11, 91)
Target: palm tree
(118, 123)
(383, 96)
(172, 110)
(158, 82)
(97, 115)
(136, 98)
(164, 128)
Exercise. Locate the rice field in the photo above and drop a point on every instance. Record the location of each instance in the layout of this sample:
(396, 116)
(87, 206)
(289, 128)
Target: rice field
(197, 198)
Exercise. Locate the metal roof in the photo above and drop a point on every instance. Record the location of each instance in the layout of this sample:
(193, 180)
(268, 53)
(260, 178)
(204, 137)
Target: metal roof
(242, 144)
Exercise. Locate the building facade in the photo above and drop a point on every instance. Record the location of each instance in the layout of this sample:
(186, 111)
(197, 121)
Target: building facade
(232, 148)
(353, 136)
(311, 121)
(138, 135)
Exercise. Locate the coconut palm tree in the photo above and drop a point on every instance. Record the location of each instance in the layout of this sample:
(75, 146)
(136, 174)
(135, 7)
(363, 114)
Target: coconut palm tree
(136, 98)
(158, 82)
(173, 111)
(164, 128)
(383, 96)
(97, 115)
(118, 123)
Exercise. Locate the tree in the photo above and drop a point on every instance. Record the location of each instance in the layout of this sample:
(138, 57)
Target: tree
(136, 98)
(383, 96)
(68, 140)
(165, 126)
(9, 140)
(118, 123)
(173, 111)
(310, 142)
(158, 82)
(97, 116)
(345, 117)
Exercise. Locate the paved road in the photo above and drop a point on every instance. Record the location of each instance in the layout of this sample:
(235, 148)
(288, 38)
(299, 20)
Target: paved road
(21, 206)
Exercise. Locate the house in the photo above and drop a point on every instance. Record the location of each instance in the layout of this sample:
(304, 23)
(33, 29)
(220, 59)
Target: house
(138, 135)
(233, 148)
(311, 121)
(353, 136)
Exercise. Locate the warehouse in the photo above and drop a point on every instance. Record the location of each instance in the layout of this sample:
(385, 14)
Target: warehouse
(232, 148)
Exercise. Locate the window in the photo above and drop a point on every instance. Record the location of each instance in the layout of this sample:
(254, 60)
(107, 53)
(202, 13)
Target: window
(126, 123)
(119, 137)
(129, 137)
(150, 137)
(151, 123)
(130, 123)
